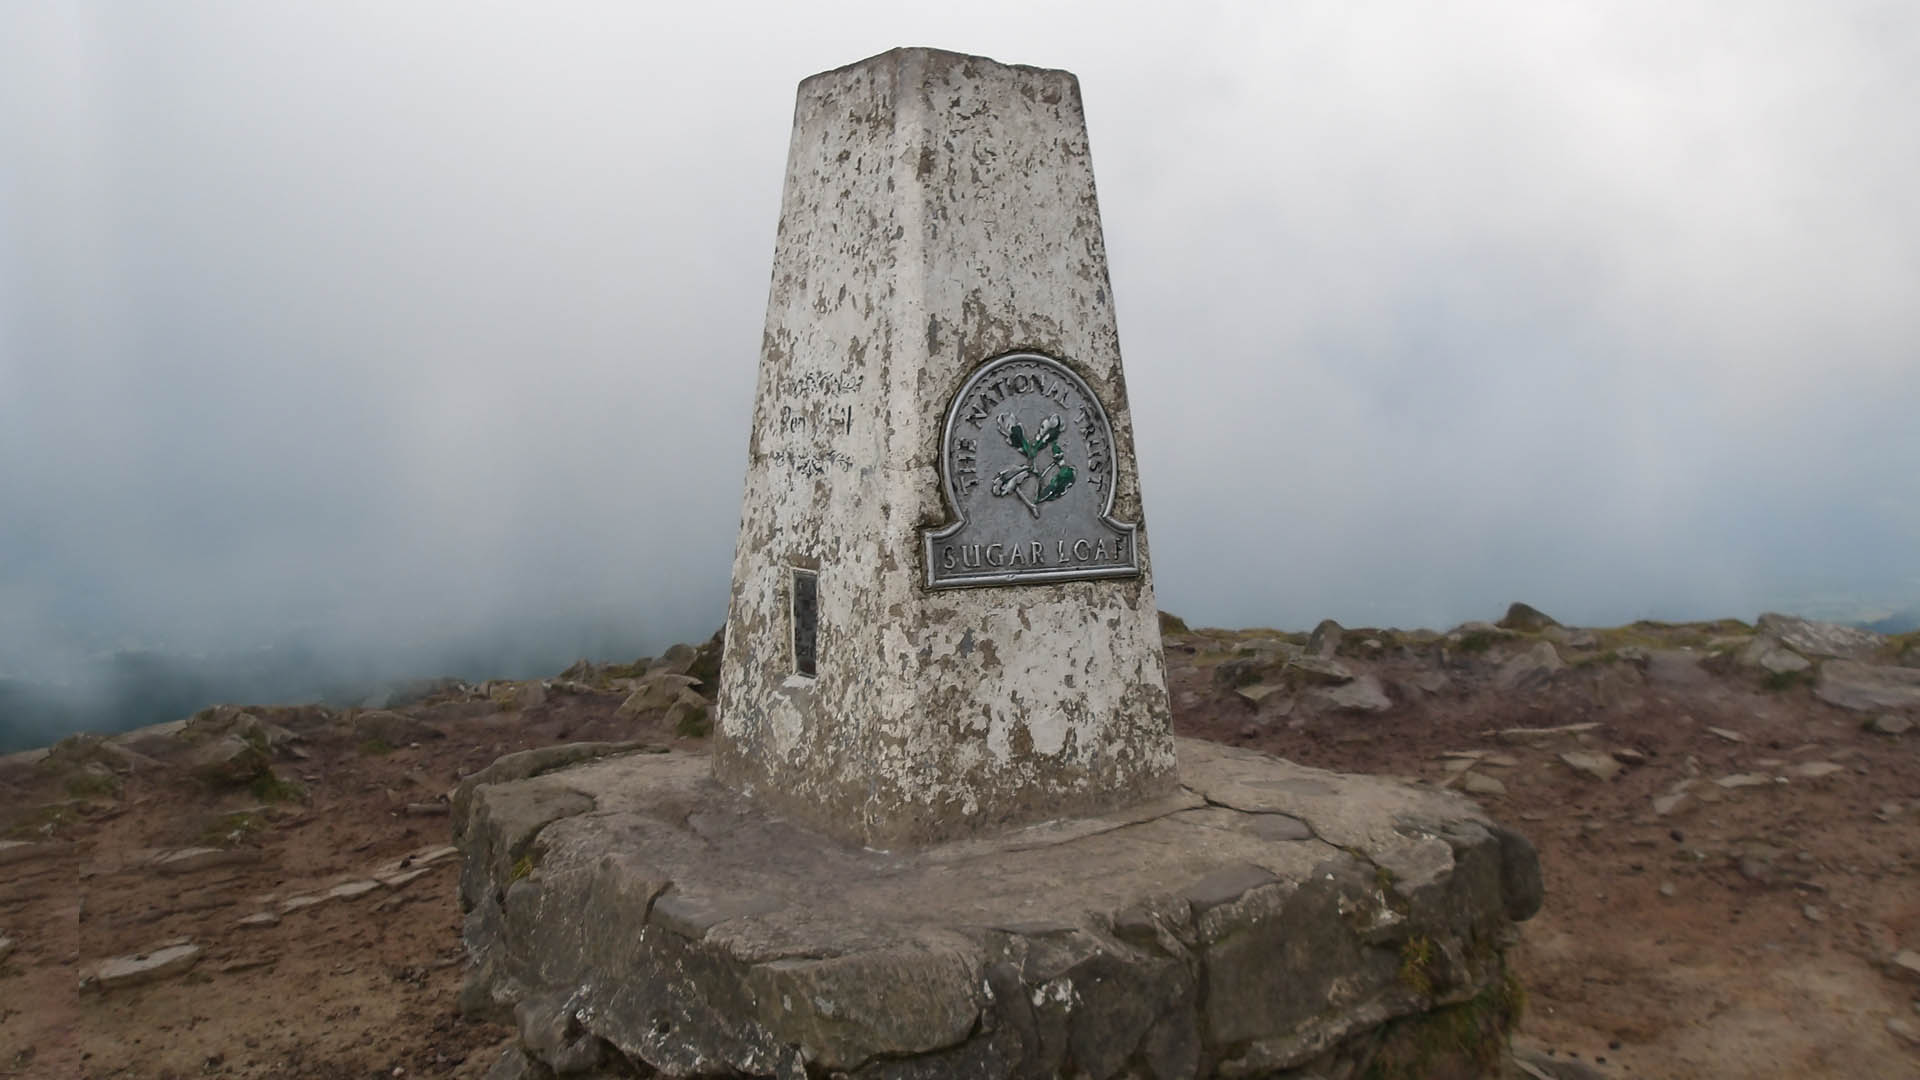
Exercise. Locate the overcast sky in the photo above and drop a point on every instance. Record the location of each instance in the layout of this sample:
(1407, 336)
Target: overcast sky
(380, 320)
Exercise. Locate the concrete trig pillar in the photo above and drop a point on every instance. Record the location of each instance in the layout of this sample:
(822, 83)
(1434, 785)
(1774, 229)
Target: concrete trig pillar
(942, 618)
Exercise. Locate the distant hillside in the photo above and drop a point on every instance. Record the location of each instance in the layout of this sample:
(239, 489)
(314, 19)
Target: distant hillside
(123, 690)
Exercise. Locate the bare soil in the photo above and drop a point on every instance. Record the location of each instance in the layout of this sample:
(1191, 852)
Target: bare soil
(1747, 932)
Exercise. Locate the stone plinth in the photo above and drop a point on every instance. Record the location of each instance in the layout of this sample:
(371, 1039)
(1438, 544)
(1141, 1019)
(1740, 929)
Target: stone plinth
(1260, 919)
(939, 216)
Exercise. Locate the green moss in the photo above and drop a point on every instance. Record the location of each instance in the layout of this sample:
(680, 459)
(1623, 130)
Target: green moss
(694, 724)
(1779, 682)
(270, 788)
(1462, 1040)
(706, 662)
(522, 869)
(376, 747)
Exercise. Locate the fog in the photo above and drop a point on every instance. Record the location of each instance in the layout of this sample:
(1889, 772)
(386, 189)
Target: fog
(422, 337)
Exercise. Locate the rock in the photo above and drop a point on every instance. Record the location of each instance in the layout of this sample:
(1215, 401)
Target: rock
(88, 752)
(1526, 619)
(1531, 669)
(1676, 669)
(1324, 642)
(1598, 766)
(1582, 639)
(1667, 804)
(688, 715)
(1889, 724)
(1741, 780)
(6, 948)
(15, 851)
(1906, 964)
(1904, 1030)
(352, 890)
(1815, 770)
(1316, 671)
(527, 695)
(1536, 1064)
(1240, 671)
(1628, 756)
(259, 919)
(219, 720)
(1197, 936)
(1542, 734)
(188, 860)
(1426, 682)
(1866, 687)
(393, 728)
(1820, 639)
(429, 809)
(656, 691)
(530, 763)
(403, 878)
(228, 761)
(515, 1065)
(1668, 890)
(1767, 654)
(1813, 914)
(1364, 694)
(1474, 783)
(1727, 734)
(123, 971)
(1259, 692)
(676, 661)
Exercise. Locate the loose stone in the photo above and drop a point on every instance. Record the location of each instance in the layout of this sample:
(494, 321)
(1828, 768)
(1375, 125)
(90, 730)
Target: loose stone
(132, 970)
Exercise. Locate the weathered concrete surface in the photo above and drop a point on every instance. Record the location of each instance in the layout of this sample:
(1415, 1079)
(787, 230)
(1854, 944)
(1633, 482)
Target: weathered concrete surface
(939, 212)
(1262, 919)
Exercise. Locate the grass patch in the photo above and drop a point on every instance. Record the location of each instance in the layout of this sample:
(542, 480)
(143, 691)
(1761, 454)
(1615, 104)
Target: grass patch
(1898, 646)
(40, 823)
(521, 870)
(1478, 641)
(1172, 624)
(86, 785)
(376, 747)
(1779, 682)
(1416, 960)
(270, 788)
(228, 830)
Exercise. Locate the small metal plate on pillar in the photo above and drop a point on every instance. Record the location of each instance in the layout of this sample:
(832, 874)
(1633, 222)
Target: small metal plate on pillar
(1026, 459)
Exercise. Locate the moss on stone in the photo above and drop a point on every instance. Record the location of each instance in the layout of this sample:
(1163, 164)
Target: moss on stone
(1465, 1041)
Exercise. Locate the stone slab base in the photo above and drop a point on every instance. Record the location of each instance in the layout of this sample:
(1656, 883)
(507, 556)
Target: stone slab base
(634, 918)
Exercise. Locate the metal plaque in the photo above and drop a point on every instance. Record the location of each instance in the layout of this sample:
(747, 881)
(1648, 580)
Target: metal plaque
(1027, 461)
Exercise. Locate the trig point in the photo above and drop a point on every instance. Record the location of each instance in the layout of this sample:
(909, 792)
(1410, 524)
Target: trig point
(943, 831)
(942, 618)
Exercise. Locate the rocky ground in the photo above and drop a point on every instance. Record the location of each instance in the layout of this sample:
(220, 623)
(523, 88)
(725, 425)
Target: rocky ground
(1728, 816)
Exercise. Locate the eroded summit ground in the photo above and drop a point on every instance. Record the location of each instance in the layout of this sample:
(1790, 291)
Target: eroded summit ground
(1752, 928)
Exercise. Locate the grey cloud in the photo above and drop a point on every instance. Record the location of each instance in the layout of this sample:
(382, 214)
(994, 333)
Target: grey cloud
(389, 324)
